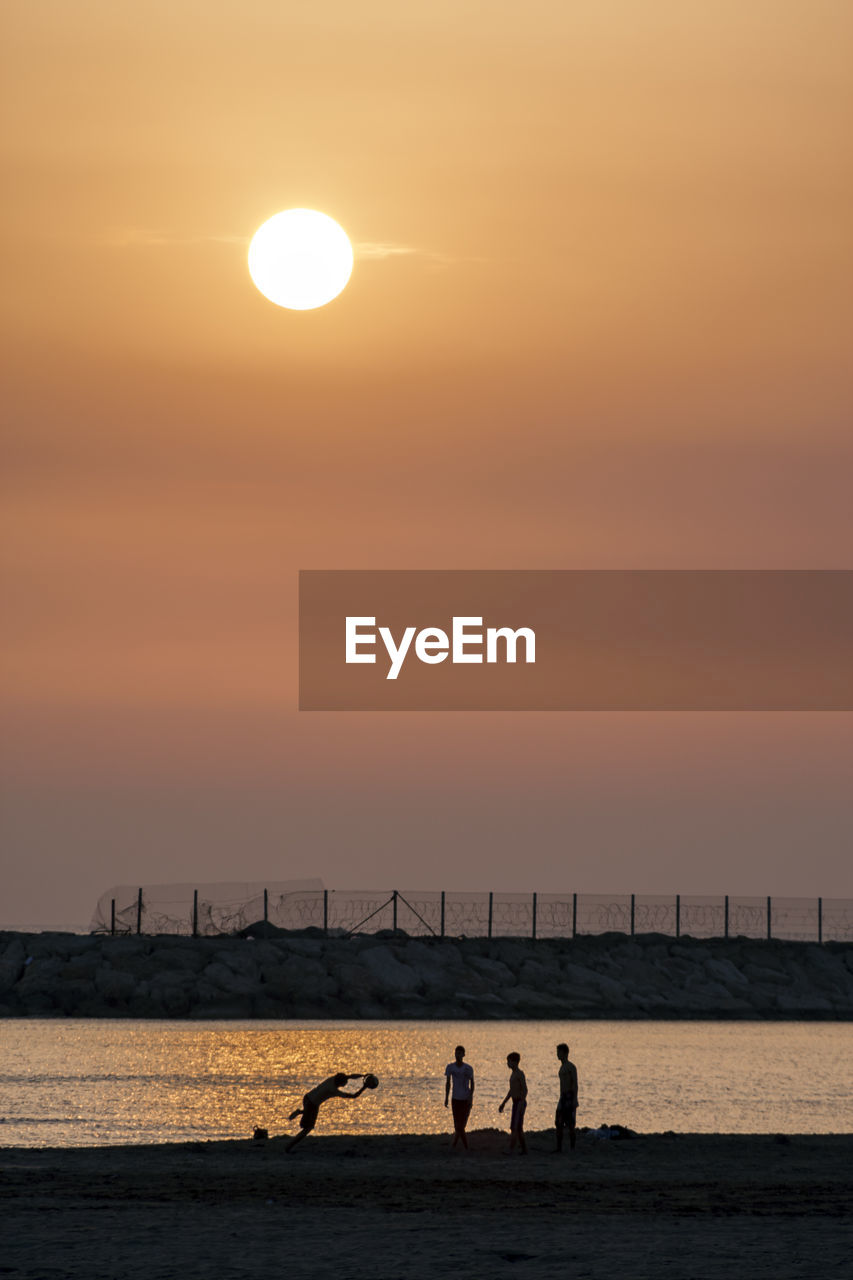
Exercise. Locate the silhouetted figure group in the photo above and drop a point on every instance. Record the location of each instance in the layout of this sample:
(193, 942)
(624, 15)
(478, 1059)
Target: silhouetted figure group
(567, 1104)
(459, 1093)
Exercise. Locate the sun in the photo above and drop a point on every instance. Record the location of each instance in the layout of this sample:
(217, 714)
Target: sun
(300, 259)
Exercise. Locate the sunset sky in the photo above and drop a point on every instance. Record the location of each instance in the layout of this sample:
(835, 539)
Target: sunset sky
(601, 316)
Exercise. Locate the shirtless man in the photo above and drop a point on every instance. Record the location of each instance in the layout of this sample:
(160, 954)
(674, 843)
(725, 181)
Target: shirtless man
(518, 1093)
(567, 1107)
(311, 1103)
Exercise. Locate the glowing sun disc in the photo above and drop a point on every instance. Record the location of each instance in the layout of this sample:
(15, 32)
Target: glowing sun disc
(300, 259)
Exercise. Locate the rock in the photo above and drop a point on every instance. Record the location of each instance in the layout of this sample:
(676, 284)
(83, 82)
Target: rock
(299, 979)
(579, 981)
(72, 994)
(184, 959)
(313, 948)
(384, 965)
(242, 961)
(539, 1003)
(612, 990)
(448, 955)
(487, 1005)
(760, 975)
(227, 982)
(578, 977)
(81, 968)
(533, 973)
(438, 983)
(267, 953)
(11, 965)
(179, 979)
(370, 976)
(124, 948)
(113, 984)
(493, 970)
(175, 1000)
(356, 982)
(219, 1011)
(46, 974)
(64, 945)
(726, 972)
(802, 1004)
(417, 953)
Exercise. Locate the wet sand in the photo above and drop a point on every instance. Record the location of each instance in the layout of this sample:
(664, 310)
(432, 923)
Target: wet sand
(667, 1207)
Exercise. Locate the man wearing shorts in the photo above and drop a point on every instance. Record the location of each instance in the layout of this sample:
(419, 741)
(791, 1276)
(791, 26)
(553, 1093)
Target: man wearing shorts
(567, 1107)
(518, 1094)
(314, 1099)
(460, 1076)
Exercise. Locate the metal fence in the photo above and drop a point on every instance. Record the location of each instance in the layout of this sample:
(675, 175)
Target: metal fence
(226, 909)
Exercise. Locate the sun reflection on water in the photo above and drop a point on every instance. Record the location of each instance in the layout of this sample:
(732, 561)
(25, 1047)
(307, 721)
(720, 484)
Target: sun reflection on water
(79, 1082)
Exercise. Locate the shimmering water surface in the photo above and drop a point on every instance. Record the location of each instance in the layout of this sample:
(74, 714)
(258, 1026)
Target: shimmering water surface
(76, 1083)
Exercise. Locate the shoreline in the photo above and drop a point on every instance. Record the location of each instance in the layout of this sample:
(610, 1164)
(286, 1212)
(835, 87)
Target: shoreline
(406, 1207)
(382, 1145)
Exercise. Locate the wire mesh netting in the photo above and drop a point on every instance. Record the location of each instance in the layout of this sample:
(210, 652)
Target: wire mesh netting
(208, 910)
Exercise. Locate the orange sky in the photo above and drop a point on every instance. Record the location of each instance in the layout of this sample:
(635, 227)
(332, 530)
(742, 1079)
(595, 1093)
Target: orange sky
(600, 317)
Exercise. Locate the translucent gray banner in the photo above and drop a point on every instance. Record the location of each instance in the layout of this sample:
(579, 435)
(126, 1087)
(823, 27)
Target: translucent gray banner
(561, 640)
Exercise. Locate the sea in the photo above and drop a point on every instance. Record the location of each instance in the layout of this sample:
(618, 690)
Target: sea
(72, 1083)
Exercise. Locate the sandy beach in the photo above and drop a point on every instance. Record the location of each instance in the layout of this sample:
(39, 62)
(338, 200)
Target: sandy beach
(660, 1206)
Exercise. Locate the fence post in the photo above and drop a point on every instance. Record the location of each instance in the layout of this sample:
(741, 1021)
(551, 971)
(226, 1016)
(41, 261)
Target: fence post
(819, 919)
(574, 915)
(266, 906)
(195, 913)
(442, 913)
(139, 911)
(678, 915)
(632, 915)
(726, 918)
(768, 918)
(394, 926)
(491, 908)
(113, 918)
(326, 912)
(534, 917)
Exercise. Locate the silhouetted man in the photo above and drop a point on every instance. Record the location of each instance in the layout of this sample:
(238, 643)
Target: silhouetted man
(311, 1103)
(460, 1076)
(518, 1093)
(567, 1107)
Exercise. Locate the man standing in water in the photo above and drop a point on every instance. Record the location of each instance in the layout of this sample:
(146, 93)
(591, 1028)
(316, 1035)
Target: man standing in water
(461, 1076)
(518, 1093)
(313, 1100)
(567, 1107)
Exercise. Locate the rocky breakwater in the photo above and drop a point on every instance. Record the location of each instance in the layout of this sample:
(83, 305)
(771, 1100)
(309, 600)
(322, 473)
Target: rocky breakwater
(391, 976)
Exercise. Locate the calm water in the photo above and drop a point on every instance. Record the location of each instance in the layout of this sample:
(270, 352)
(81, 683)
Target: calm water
(75, 1083)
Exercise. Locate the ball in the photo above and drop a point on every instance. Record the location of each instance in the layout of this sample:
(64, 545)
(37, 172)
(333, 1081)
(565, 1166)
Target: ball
(370, 1082)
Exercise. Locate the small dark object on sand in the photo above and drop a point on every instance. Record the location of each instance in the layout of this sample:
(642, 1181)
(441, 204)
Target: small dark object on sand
(371, 1082)
(260, 1135)
(612, 1131)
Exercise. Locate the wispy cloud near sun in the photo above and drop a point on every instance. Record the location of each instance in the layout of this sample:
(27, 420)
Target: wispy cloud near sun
(377, 250)
(364, 250)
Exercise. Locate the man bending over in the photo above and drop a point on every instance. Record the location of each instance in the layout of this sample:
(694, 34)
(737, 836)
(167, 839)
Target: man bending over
(311, 1103)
